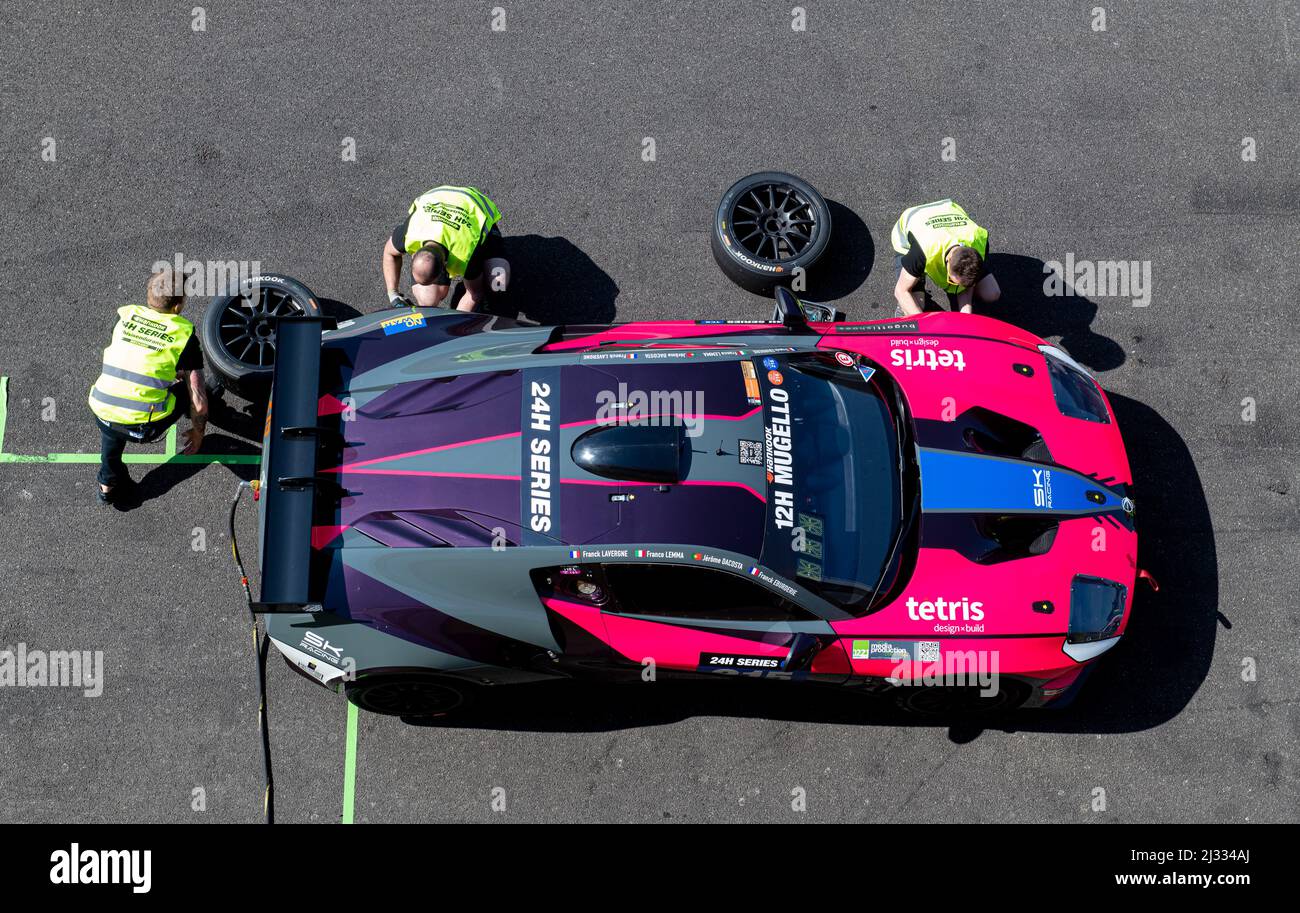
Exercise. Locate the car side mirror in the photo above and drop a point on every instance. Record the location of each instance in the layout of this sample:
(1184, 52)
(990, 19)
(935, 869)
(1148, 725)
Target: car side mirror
(795, 315)
(788, 312)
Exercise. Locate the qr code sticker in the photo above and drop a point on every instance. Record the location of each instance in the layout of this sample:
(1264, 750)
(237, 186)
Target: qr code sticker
(927, 651)
(751, 453)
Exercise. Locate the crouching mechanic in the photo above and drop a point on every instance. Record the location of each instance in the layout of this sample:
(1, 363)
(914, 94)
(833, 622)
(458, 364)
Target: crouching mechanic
(450, 233)
(941, 241)
(152, 373)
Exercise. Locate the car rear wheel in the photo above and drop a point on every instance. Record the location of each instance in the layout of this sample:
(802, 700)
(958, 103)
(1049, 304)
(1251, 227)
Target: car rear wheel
(419, 696)
(959, 699)
(766, 226)
(237, 332)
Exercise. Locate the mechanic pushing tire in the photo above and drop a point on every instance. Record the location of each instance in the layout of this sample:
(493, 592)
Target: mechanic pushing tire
(418, 696)
(768, 225)
(238, 331)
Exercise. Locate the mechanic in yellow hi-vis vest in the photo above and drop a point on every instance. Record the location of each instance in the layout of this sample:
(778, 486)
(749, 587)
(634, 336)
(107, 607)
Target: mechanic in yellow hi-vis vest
(450, 232)
(152, 373)
(941, 241)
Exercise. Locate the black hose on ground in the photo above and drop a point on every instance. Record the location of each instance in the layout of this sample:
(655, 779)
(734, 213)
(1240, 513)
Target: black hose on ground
(261, 649)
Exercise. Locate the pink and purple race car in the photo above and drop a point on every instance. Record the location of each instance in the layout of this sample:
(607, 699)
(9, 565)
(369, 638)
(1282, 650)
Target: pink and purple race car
(936, 508)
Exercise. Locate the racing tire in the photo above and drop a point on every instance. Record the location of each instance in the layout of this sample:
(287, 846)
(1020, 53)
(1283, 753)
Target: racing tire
(766, 226)
(411, 696)
(960, 700)
(237, 332)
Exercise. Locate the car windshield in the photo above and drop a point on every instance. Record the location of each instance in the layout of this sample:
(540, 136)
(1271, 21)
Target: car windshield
(834, 505)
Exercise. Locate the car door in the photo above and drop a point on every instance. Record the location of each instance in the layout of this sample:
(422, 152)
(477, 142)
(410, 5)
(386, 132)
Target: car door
(688, 618)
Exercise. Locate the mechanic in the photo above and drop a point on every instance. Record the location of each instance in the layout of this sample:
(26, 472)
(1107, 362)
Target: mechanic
(450, 232)
(941, 241)
(152, 372)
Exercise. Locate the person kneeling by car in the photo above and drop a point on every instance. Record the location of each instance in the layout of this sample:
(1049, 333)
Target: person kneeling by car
(941, 241)
(450, 232)
(152, 373)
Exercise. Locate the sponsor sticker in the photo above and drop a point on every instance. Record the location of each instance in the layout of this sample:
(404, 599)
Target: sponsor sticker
(750, 373)
(775, 378)
(770, 363)
(897, 650)
(844, 358)
(318, 646)
(930, 359)
(897, 326)
(412, 321)
(540, 441)
(866, 372)
(1042, 487)
(739, 661)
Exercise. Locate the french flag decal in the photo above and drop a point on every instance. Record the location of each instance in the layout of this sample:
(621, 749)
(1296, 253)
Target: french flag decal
(754, 572)
(575, 554)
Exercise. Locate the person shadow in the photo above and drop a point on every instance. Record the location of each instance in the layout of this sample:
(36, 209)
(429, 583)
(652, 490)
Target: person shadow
(552, 282)
(160, 479)
(1025, 303)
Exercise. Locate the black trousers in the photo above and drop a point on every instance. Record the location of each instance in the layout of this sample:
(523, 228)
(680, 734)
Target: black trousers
(114, 437)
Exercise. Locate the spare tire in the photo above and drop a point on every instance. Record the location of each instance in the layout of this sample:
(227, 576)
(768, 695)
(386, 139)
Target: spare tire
(768, 225)
(237, 332)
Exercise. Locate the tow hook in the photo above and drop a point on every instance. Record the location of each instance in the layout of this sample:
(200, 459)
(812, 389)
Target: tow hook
(1151, 581)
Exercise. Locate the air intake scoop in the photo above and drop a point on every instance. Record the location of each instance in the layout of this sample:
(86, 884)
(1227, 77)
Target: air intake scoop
(635, 453)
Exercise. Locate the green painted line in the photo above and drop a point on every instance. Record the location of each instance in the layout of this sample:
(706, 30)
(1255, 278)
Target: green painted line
(4, 409)
(169, 454)
(230, 459)
(350, 766)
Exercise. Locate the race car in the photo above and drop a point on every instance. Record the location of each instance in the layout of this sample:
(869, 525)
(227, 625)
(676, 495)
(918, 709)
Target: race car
(935, 508)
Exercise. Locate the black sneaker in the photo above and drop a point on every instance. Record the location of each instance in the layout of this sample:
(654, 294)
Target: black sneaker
(117, 494)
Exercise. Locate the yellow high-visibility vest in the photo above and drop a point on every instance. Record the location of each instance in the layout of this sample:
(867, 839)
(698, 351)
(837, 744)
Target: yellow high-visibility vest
(939, 227)
(458, 218)
(139, 366)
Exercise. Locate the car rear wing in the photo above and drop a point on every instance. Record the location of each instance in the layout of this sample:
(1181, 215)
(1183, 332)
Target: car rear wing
(288, 489)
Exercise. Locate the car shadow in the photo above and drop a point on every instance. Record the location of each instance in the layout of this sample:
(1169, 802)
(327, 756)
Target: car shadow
(339, 310)
(1145, 681)
(1025, 303)
(236, 416)
(552, 282)
(847, 260)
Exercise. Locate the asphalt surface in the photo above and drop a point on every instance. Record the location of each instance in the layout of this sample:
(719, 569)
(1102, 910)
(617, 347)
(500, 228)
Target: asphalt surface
(227, 144)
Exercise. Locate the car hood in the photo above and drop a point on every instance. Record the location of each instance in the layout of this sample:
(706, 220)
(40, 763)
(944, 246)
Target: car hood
(1016, 498)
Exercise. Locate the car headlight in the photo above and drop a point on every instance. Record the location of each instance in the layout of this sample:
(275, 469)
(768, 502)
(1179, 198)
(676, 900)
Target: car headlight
(1077, 394)
(1096, 610)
